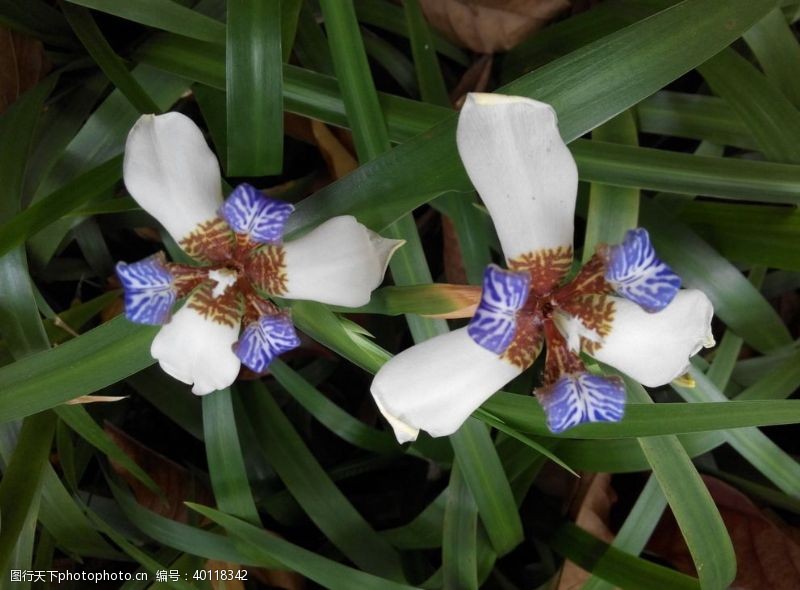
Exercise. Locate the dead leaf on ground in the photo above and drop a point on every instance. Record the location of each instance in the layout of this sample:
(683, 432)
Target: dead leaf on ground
(767, 556)
(489, 26)
(175, 481)
(22, 64)
(339, 160)
(454, 271)
(590, 510)
(475, 79)
(93, 399)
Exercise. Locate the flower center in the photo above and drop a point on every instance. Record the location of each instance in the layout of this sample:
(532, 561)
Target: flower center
(224, 278)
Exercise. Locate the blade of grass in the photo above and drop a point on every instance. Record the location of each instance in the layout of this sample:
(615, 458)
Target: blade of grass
(225, 464)
(459, 536)
(165, 15)
(760, 451)
(81, 21)
(328, 413)
(698, 518)
(617, 567)
(254, 80)
(612, 210)
(263, 548)
(776, 48)
(315, 492)
(637, 529)
(22, 480)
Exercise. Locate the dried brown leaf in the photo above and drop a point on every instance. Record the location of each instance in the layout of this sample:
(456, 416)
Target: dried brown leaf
(175, 481)
(590, 509)
(339, 160)
(93, 399)
(488, 26)
(475, 79)
(22, 64)
(454, 270)
(767, 556)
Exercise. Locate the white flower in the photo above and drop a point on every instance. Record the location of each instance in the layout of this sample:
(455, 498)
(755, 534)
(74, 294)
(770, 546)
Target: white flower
(173, 175)
(624, 307)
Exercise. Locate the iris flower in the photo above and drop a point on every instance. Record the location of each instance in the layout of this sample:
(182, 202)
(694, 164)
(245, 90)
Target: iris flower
(625, 307)
(242, 260)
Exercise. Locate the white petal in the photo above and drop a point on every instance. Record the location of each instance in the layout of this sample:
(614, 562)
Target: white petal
(171, 172)
(435, 385)
(523, 171)
(654, 348)
(197, 351)
(340, 262)
(402, 431)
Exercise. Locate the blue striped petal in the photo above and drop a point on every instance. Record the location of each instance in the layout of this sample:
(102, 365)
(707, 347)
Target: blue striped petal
(636, 273)
(583, 397)
(149, 290)
(265, 339)
(251, 213)
(495, 321)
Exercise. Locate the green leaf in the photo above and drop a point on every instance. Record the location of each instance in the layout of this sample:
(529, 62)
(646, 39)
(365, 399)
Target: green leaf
(523, 413)
(262, 548)
(81, 21)
(459, 537)
(22, 480)
(615, 566)
(81, 366)
(50, 209)
(748, 234)
(613, 210)
(319, 497)
(637, 529)
(586, 88)
(694, 509)
(225, 463)
(772, 120)
(482, 471)
(735, 300)
(776, 48)
(79, 420)
(165, 15)
(758, 449)
(254, 80)
(332, 416)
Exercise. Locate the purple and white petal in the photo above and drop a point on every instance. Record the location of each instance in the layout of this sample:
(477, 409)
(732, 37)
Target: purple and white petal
(636, 273)
(149, 290)
(435, 385)
(263, 340)
(654, 348)
(249, 212)
(339, 262)
(197, 350)
(504, 293)
(515, 157)
(582, 397)
(171, 172)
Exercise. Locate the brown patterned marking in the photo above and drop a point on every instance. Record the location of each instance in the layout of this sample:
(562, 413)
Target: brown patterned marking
(266, 269)
(560, 359)
(527, 342)
(212, 241)
(547, 267)
(227, 309)
(596, 312)
(590, 280)
(255, 307)
(186, 277)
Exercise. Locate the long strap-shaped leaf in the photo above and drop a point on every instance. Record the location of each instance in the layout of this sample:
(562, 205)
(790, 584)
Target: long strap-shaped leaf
(587, 87)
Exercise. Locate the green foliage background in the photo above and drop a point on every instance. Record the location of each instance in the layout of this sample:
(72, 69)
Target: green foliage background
(353, 509)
